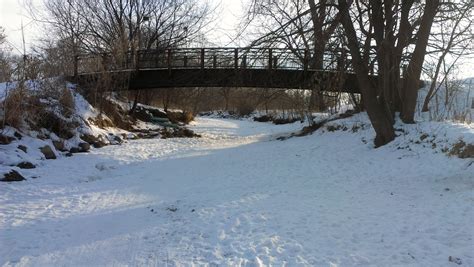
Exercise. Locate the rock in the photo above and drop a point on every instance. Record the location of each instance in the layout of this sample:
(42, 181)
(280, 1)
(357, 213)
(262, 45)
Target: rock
(280, 121)
(423, 136)
(26, 165)
(84, 147)
(5, 140)
(264, 118)
(74, 150)
(12, 176)
(462, 150)
(118, 139)
(89, 138)
(23, 148)
(99, 144)
(59, 145)
(178, 133)
(458, 261)
(157, 113)
(68, 154)
(94, 141)
(48, 152)
(18, 135)
(142, 114)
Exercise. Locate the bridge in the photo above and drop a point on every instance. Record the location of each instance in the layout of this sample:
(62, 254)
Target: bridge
(218, 67)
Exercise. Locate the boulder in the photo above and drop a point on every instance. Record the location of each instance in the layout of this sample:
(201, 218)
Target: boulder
(157, 113)
(12, 176)
(118, 139)
(99, 144)
(48, 152)
(84, 147)
(264, 118)
(89, 138)
(178, 133)
(26, 165)
(74, 150)
(462, 150)
(59, 145)
(18, 135)
(23, 148)
(5, 140)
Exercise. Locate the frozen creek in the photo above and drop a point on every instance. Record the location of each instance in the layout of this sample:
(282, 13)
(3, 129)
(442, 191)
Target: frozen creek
(238, 196)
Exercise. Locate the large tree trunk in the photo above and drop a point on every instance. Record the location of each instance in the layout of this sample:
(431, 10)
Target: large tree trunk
(318, 16)
(412, 76)
(379, 117)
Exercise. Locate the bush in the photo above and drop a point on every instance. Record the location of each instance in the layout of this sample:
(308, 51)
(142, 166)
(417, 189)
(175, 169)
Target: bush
(184, 117)
(66, 100)
(14, 107)
(244, 108)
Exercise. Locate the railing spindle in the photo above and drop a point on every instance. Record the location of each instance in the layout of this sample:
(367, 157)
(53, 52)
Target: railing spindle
(270, 56)
(236, 58)
(202, 58)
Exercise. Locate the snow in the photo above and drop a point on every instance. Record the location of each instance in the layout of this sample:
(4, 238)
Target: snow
(238, 196)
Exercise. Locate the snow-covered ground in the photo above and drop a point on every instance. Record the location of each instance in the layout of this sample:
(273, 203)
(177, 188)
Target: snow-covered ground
(238, 196)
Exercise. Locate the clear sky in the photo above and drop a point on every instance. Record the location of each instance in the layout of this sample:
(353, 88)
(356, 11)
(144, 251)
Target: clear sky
(12, 13)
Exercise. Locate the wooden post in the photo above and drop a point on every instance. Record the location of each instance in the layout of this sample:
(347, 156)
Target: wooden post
(214, 61)
(244, 61)
(270, 56)
(275, 62)
(202, 58)
(185, 61)
(236, 58)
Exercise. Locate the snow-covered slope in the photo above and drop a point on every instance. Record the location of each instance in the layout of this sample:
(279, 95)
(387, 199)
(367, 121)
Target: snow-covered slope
(238, 196)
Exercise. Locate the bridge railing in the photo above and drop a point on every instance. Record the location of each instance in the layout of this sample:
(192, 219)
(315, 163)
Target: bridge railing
(208, 58)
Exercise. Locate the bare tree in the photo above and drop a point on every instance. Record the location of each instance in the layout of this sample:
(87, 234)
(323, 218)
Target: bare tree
(451, 40)
(400, 31)
(5, 63)
(300, 26)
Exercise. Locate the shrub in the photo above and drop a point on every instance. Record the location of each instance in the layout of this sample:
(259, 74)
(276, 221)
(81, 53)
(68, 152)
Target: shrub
(66, 100)
(14, 107)
(244, 108)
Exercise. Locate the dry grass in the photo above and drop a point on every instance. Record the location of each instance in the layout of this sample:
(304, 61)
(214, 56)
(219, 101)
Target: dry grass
(14, 108)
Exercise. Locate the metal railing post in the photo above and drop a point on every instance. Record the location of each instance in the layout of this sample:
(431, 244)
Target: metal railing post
(169, 59)
(202, 58)
(236, 58)
(270, 56)
(306, 59)
(76, 64)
